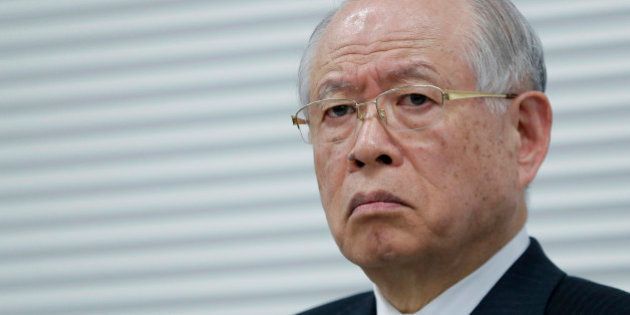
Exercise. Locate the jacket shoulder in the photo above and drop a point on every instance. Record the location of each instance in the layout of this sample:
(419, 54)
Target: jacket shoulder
(575, 295)
(362, 303)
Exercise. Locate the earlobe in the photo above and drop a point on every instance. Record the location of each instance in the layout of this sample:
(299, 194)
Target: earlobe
(533, 122)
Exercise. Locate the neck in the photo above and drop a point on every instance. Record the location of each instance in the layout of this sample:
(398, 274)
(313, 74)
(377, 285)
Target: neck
(409, 290)
(411, 287)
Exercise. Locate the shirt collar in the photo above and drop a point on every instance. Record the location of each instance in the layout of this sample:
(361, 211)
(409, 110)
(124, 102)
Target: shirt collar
(465, 295)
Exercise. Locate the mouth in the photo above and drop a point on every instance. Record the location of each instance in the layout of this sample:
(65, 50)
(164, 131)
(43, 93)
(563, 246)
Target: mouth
(375, 202)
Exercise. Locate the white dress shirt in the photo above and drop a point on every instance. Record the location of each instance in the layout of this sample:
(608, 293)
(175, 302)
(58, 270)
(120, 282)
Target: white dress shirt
(465, 295)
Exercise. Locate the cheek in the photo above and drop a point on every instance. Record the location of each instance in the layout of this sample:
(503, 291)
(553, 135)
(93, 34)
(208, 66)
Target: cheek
(457, 163)
(481, 170)
(330, 169)
(437, 179)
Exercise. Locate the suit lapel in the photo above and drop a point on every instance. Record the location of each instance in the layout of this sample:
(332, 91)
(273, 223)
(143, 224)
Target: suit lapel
(525, 287)
(366, 305)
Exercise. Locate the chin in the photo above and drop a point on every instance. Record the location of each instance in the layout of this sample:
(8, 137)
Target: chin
(378, 248)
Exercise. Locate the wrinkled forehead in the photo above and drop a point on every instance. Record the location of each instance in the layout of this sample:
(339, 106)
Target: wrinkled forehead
(390, 31)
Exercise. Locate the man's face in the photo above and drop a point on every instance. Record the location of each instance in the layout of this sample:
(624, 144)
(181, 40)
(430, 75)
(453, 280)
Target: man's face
(404, 196)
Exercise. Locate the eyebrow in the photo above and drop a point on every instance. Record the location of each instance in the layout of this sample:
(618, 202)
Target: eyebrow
(411, 71)
(333, 86)
(415, 71)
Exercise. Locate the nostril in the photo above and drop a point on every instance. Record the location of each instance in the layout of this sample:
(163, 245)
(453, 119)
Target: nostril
(356, 161)
(385, 159)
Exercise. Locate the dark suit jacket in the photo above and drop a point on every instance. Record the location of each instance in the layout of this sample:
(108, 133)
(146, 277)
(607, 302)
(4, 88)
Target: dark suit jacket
(532, 285)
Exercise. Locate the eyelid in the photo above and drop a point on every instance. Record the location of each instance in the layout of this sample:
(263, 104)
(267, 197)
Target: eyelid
(331, 105)
(352, 109)
(408, 95)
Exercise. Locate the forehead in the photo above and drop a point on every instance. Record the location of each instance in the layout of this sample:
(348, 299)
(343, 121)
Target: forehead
(390, 38)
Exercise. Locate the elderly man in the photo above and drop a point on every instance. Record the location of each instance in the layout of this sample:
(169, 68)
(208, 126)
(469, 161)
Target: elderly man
(428, 121)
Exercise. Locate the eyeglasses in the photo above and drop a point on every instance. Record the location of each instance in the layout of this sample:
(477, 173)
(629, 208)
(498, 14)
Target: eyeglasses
(411, 107)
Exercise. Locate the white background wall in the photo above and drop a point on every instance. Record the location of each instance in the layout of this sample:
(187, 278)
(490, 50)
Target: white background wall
(148, 164)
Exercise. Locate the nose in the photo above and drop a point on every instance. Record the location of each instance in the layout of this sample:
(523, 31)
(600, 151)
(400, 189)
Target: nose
(374, 146)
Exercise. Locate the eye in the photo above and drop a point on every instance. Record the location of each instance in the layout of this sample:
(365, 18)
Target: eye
(339, 111)
(413, 100)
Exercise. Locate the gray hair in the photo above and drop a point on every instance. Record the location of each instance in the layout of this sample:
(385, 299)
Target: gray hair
(304, 71)
(503, 51)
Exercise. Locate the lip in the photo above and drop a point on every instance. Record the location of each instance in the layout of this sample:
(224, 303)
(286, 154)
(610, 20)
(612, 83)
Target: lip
(374, 202)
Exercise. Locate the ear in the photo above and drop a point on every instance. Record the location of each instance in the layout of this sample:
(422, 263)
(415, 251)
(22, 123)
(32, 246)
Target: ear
(532, 118)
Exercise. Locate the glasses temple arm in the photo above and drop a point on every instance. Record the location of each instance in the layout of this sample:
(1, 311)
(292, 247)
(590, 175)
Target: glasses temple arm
(298, 121)
(457, 95)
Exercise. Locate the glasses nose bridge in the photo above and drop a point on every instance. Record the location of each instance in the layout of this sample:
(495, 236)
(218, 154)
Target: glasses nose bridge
(362, 109)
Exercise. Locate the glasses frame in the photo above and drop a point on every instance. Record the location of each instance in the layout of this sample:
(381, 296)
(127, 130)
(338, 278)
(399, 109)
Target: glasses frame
(447, 95)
